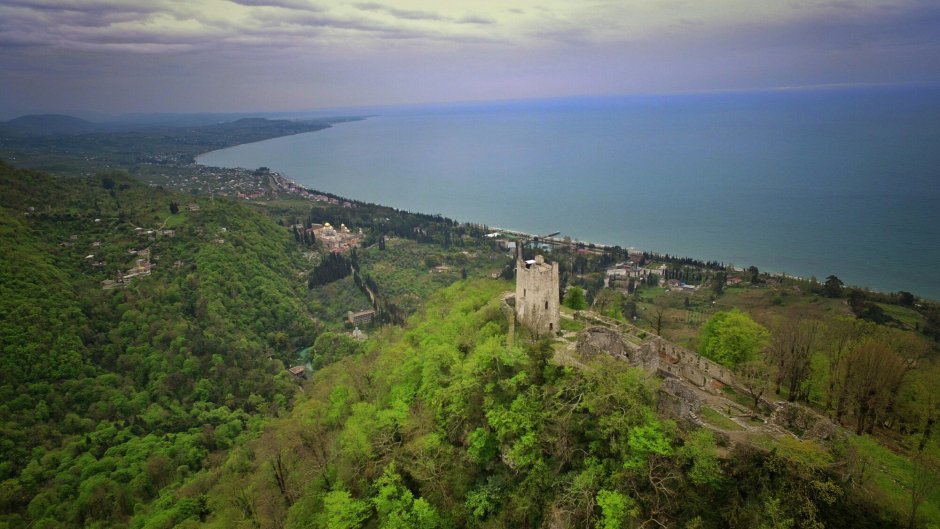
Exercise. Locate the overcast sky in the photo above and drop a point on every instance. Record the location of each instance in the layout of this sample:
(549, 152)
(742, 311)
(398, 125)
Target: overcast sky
(281, 55)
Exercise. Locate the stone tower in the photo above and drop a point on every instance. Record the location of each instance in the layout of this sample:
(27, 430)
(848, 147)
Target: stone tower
(537, 295)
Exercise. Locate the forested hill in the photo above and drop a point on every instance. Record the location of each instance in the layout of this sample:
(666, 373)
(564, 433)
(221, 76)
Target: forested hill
(145, 338)
(110, 395)
(43, 144)
(447, 424)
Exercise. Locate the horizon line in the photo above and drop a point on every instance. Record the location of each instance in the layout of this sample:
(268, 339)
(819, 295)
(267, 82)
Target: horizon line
(819, 87)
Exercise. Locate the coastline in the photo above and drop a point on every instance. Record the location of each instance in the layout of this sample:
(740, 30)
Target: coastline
(291, 187)
(782, 253)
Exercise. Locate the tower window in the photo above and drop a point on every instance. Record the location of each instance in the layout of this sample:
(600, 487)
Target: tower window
(523, 292)
(546, 305)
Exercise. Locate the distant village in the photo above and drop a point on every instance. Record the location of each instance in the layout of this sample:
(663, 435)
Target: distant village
(245, 184)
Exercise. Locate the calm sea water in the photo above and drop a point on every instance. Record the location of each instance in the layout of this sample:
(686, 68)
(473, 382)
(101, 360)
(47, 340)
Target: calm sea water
(806, 183)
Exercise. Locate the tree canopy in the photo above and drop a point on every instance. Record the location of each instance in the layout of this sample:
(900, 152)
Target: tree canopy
(732, 337)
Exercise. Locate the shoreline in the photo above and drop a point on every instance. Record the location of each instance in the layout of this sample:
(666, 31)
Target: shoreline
(292, 186)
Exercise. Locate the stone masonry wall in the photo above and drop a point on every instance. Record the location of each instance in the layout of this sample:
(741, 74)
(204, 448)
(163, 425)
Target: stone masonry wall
(537, 297)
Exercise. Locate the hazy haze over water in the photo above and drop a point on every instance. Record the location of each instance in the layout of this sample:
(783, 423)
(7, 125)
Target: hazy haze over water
(807, 183)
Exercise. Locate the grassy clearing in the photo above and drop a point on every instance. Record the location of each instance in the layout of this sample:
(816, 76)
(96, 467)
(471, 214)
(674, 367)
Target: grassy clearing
(762, 440)
(405, 270)
(890, 477)
(908, 317)
(738, 397)
(718, 420)
(175, 221)
(572, 325)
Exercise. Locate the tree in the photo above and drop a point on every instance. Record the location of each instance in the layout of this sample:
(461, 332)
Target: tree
(574, 298)
(731, 338)
(924, 480)
(905, 299)
(332, 267)
(718, 284)
(754, 377)
(658, 313)
(872, 373)
(832, 288)
(628, 308)
(344, 512)
(174, 207)
(701, 450)
(791, 350)
(839, 337)
(398, 508)
(754, 274)
(330, 347)
(616, 508)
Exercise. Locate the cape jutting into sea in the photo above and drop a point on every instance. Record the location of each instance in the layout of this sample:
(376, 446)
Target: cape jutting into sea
(807, 183)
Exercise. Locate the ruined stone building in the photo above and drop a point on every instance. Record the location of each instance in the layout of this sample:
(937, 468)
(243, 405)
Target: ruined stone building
(537, 296)
(657, 355)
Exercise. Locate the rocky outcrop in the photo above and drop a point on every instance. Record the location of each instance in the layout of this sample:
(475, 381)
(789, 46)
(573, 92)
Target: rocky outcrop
(802, 421)
(678, 400)
(601, 340)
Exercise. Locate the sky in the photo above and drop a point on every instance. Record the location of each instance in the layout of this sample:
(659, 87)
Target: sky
(115, 56)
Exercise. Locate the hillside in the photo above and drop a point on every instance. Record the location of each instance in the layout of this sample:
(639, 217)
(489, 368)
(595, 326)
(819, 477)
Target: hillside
(445, 424)
(110, 395)
(47, 124)
(140, 150)
(146, 337)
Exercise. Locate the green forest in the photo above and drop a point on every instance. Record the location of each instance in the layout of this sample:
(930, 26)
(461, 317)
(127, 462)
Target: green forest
(147, 335)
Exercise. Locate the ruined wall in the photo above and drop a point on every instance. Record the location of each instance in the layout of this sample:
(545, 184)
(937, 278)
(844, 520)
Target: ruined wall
(537, 295)
(603, 340)
(682, 362)
(677, 400)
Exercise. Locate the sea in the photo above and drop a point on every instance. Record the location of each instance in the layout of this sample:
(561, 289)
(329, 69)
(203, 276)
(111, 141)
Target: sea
(803, 182)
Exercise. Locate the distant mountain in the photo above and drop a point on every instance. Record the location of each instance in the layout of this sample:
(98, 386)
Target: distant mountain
(48, 124)
(147, 120)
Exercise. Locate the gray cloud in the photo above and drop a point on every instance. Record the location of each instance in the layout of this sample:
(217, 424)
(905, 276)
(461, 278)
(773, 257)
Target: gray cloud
(474, 19)
(285, 4)
(399, 13)
(284, 54)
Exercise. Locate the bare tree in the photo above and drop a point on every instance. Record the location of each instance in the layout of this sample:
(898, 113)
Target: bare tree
(924, 480)
(754, 377)
(839, 336)
(873, 372)
(791, 348)
(658, 314)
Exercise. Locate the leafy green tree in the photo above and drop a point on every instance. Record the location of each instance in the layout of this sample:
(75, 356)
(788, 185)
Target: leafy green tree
(719, 281)
(754, 274)
(616, 509)
(701, 451)
(832, 288)
(344, 512)
(574, 298)
(330, 347)
(905, 299)
(732, 337)
(774, 516)
(398, 508)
